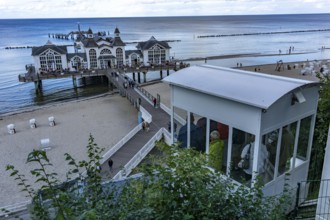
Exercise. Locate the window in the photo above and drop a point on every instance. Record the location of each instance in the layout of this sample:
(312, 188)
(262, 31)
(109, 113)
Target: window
(120, 57)
(305, 125)
(50, 60)
(92, 59)
(270, 140)
(180, 127)
(156, 55)
(287, 147)
(218, 143)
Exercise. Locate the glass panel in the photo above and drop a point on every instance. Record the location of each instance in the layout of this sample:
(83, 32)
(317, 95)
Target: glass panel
(240, 140)
(287, 147)
(180, 126)
(218, 148)
(198, 140)
(305, 125)
(269, 140)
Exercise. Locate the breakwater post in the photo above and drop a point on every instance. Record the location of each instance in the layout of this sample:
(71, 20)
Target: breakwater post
(161, 74)
(133, 74)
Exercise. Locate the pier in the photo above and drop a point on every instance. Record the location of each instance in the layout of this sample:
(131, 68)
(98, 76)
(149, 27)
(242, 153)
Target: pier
(139, 74)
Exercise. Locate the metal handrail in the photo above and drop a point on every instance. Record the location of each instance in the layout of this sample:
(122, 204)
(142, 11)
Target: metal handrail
(139, 155)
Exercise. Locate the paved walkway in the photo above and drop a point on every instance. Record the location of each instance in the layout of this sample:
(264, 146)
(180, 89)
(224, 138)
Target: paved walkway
(159, 119)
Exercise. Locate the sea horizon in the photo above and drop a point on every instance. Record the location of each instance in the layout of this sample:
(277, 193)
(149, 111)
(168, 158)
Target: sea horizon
(174, 16)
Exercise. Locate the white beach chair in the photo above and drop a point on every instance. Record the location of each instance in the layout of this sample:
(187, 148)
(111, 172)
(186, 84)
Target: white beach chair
(51, 121)
(33, 123)
(11, 129)
(45, 144)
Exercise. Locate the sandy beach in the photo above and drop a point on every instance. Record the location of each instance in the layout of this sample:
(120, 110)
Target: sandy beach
(108, 118)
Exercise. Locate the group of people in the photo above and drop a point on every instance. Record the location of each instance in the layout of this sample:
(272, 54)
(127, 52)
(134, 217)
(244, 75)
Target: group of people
(218, 139)
(243, 142)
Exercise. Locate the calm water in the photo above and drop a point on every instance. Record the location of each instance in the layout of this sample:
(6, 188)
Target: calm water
(34, 32)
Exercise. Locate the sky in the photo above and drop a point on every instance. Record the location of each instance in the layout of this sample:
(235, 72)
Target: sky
(151, 8)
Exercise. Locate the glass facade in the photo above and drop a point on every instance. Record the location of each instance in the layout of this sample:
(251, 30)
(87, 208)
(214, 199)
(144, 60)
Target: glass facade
(276, 148)
(50, 61)
(156, 55)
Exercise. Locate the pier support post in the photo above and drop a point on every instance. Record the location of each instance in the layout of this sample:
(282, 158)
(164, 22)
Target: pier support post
(168, 72)
(38, 86)
(74, 81)
(139, 77)
(83, 79)
(110, 85)
(161, 74)
(144, 76)
(133, 74)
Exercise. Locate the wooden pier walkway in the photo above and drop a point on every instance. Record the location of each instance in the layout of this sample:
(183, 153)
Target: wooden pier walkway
(159, 119)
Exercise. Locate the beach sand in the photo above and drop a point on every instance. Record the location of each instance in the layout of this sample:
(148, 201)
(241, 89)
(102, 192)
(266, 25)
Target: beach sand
(284, 71)
(108, 118)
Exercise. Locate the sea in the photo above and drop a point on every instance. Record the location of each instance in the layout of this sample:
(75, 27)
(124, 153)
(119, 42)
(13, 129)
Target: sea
(259, 37)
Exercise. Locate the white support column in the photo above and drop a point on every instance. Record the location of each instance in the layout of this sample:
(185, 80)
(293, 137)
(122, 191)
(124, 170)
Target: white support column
(256, 152)
(188, 129)
(207, 136)
(172, 124)
(230, 145)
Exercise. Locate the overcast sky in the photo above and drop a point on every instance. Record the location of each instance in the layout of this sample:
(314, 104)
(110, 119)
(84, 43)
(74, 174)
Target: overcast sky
(141, 8)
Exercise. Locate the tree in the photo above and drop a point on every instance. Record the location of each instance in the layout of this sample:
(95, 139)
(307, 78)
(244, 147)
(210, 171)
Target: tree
(175, 185)
(321, 129)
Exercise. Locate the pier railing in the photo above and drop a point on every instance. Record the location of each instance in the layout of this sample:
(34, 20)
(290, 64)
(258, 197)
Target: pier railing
(59, 74)
(96, 72)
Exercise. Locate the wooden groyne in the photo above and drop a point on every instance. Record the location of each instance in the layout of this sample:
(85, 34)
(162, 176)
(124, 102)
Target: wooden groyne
(262, 33)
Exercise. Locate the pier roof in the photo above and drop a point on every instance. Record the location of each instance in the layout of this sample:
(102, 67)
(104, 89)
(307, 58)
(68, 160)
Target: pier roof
(150, 43)
(38, 50)
(255, 89)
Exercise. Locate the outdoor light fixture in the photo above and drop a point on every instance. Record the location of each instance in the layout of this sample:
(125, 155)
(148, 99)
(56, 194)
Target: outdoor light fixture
(297, 97)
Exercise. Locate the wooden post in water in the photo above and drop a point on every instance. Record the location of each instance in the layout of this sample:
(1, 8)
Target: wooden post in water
(139, 77)
(38, 86)
(168, 72)
(161, 74)
(144, 76)
(74, 81)
(83, 79)
(133, 76)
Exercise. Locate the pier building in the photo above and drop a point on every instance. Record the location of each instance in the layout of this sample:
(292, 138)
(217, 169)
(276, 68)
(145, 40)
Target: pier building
(95, 51)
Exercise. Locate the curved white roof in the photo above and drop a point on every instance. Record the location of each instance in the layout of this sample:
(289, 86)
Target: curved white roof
(255, 89)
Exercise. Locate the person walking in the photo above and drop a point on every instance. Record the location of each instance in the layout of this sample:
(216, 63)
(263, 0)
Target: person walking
(155, 102)
(110, 163)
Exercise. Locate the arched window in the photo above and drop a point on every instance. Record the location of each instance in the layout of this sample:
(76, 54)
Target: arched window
(120, 57)
(92, 59)
(105, 51)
